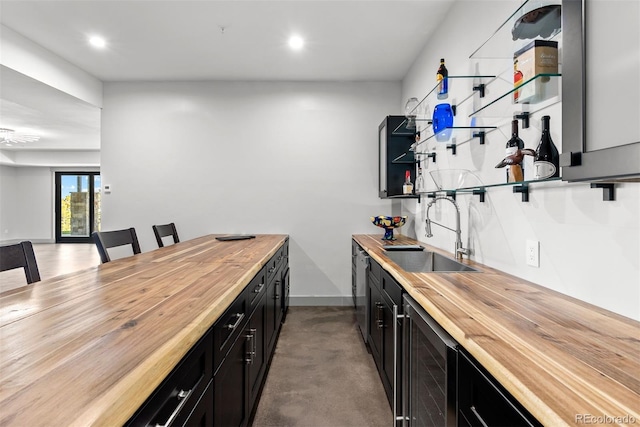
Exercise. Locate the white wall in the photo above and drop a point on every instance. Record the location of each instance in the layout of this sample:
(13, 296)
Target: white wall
(26, 204)
(218, 157)
(589, 248)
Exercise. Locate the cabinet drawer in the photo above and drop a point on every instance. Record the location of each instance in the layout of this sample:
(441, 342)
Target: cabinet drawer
(256, 289)
(202, 413)
(375, 271)
(228, 327)
(181, 391)
(482, 401)
(392, 288)
(285, 251)
(272, 266)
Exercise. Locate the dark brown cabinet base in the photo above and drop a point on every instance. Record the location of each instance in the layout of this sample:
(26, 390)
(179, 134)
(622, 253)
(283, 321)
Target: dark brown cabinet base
(218, 383)
(483, 402)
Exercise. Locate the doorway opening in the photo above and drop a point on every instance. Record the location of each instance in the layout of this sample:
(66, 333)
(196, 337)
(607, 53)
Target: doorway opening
(78, 197)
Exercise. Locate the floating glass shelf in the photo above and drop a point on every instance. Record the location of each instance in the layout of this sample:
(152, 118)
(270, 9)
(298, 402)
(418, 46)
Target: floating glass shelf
(456, 131)
(536, 84)
(501, 44)
(480, 190)
(506, 184)
(423, 117)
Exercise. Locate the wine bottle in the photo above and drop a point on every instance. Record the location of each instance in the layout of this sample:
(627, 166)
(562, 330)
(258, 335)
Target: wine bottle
(419, 181)
(547, 159)
(517, 80)
(515, 172)
(407, 187)
(442, 76)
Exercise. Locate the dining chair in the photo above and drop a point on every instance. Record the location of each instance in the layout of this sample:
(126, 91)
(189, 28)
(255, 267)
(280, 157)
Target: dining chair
(112, 239)
(20, 255)
(165, 230)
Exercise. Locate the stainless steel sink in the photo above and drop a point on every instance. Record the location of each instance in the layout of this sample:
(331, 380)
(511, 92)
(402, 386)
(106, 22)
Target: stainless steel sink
(425, 261)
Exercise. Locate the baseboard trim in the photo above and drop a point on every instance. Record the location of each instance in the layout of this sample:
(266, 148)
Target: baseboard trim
(311, 301)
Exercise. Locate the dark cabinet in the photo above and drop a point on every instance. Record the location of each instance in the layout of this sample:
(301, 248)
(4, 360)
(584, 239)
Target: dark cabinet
(385, 300)
(286, 290)
(238, 381)
(394, 156)
(202, 414)
(218, 382)
(183, 394)
(277, 295)
(255, 333)
(230, 387)
(482, 401)
(390, 367)
(228, 327)
(271, 314)
(428, 378)
(376, 315)
(278, 298)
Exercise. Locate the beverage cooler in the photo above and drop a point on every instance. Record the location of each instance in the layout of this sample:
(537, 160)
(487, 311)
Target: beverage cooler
(429, 373)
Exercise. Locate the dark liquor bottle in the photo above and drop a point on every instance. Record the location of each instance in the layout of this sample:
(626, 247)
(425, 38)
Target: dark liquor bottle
(515, 172)
(442, 76)
(547, 159)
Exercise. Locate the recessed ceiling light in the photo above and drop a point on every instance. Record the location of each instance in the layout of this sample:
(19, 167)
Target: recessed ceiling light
(97, 41)
(296, 42)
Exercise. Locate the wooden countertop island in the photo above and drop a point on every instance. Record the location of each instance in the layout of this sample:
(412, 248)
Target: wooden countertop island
(564, 360)
(88, 348)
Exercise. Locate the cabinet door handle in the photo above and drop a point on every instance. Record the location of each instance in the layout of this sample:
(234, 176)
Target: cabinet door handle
(258, 288)
(183, 396)
(475, 412)
(252, 347)
(380, 321)
(239, 317)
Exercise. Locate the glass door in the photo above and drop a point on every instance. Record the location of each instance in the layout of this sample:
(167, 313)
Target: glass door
(77, 206)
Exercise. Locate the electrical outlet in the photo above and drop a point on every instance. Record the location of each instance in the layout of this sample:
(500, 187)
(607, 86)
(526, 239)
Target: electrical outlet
(533, 253)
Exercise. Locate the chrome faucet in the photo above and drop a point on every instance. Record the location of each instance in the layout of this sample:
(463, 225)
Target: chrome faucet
(459, 250)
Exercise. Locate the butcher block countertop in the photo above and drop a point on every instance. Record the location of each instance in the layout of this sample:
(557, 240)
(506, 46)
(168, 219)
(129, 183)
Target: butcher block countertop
(88, 348)
(565, 360)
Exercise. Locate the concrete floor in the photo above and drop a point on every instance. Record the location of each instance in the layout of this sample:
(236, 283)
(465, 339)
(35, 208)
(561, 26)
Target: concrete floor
(322, 375)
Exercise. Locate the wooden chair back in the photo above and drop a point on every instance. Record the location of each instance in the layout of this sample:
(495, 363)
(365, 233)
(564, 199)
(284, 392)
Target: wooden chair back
(20, 255)
(165, 230)
(111, 239)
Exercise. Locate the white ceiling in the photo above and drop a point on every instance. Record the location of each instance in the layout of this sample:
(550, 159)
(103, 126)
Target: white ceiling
(62, 121)
(346, 40)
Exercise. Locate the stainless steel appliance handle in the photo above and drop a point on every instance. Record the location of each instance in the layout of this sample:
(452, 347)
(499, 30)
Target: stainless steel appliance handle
(406, 363)
(396, 317)
(395, 365)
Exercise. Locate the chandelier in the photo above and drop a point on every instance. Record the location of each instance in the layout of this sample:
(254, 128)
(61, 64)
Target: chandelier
(9, 137)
